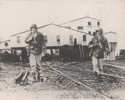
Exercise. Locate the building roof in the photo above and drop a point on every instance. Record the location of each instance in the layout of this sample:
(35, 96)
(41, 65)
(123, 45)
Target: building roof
(74, 20)
(49, 25)
(4, 41)
(70, 29)
(110, 32)
(28, 30)
(77, 19)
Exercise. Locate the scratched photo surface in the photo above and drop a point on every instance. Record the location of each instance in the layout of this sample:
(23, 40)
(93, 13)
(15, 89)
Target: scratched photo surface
(62, 50)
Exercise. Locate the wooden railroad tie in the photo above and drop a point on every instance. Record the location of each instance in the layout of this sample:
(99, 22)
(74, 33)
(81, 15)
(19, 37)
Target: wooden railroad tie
(106, 96)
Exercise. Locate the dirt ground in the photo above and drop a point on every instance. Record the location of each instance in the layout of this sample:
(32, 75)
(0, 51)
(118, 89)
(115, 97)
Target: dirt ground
(48, 90)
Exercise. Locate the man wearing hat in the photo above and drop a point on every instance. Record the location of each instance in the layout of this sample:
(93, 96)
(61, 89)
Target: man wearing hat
(99, 47)
(36, 43)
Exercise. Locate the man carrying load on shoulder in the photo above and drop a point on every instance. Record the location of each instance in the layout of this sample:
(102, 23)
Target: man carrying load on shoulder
(99, 47)
(36, 44)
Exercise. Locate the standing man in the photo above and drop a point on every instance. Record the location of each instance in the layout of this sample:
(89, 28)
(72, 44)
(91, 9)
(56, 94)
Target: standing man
(36, 44)
(93, 45)
(99, 47)
(104, 48)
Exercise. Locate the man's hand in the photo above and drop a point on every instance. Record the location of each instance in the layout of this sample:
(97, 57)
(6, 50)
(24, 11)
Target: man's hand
(34, 43)
(90, 46)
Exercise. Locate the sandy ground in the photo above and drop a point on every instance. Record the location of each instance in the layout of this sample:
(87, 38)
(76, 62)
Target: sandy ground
(47, 90)
(36, 91)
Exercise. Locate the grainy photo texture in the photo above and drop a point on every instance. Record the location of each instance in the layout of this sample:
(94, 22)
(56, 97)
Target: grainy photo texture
(62, 50)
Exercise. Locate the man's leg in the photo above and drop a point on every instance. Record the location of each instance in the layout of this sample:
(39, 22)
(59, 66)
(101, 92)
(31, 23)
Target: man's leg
(38, 66)
(32, 60)
(100, 68)
(95, 64)
(38, 60)
(101, 64)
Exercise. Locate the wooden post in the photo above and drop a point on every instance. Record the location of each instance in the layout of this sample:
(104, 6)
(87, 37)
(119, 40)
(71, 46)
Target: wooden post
(51, 50)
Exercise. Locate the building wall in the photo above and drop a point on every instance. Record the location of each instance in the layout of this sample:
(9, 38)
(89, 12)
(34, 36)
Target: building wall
(52, 33)
(112, 55)
(84, 24)
(112, 39)
(64, 34)
(66, 37)
(19, 40)
(86, 27)
(5, 45)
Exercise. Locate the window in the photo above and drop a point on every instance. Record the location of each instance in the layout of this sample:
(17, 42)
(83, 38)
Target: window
(89, 23)
(68, 27)
(98, 23)
(84, 37)
(80, 27)
(45, 37)
(75, 41)
(18, 39)
(58, 38)
(6, 44)
(89, 32)
(71, 39)
(94, 33)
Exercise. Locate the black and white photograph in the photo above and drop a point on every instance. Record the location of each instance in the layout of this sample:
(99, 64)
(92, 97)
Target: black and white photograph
(62, 50)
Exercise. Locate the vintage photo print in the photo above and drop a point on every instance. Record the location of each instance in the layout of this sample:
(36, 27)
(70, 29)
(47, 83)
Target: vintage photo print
(62, 50)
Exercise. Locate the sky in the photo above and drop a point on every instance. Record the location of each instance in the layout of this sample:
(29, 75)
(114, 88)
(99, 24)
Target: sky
(18, 15)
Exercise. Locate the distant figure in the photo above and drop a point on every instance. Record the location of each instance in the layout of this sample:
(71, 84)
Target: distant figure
(24, 55)
(36, 43)
(98, 47)
(19, 54)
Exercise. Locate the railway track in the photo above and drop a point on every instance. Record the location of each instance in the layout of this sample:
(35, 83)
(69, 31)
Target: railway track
(69, 81)
(107, 74)
(116, 66)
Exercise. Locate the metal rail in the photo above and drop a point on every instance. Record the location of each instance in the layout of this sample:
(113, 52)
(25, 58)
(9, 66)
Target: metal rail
(106, 97)
(107, 74)
(116, 66)
(102, 73)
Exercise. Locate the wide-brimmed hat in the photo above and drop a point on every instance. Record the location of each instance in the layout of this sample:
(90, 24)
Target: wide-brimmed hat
(33, 26)
(100, 31)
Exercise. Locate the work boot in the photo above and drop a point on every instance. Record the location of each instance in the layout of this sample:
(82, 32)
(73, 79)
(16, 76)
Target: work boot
(96, 74)
(100, 79)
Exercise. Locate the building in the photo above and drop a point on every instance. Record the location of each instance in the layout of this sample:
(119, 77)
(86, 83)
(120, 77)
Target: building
(85, 24)
(55, 36)
(59, 35)
(90, 25)
(112, 39)
(5, 46)
(18, 39)
(78, 31)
